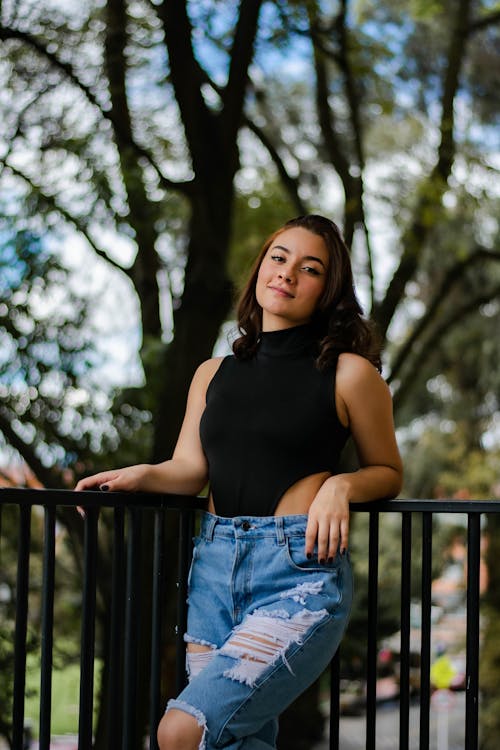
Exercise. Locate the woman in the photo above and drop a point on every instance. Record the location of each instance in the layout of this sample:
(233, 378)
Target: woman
(270, 586)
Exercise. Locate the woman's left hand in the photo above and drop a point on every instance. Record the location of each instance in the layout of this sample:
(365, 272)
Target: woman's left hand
(328, 520)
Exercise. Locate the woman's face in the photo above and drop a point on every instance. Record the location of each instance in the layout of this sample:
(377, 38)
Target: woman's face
(291, 278)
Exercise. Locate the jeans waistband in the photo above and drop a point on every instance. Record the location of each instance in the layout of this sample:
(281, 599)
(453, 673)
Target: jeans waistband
(252, 526)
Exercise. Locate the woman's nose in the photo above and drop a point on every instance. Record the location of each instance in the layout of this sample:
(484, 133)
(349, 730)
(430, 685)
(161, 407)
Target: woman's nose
(286, 275)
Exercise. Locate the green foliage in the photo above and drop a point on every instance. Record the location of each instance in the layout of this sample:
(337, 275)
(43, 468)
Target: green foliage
(47, 353)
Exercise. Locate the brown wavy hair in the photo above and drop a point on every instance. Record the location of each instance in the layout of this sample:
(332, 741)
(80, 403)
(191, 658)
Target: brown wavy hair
(338, 319)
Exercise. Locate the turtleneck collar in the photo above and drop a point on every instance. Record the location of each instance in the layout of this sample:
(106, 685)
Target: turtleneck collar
(287, 341)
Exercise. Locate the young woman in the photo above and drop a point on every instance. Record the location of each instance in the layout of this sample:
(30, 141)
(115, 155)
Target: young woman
(270, 586)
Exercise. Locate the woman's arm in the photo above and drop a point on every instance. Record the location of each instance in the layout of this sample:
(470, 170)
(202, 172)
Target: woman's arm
(186, 473)
(364, 404)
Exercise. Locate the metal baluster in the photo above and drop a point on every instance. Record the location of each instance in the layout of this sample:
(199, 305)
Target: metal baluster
(132, 629)
(115, 676)
(425, 645)
(49, 545)
(404, 688)
(88, 629)
(472, 642)
(22, 588)
(156, 636)
(371, 667)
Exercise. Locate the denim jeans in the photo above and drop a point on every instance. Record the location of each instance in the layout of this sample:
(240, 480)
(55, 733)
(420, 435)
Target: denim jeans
(272, 620)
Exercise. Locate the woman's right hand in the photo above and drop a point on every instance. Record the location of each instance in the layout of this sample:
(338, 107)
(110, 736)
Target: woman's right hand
(129, 479)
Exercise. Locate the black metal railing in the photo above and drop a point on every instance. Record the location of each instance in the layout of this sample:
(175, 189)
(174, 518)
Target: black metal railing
(126, 588)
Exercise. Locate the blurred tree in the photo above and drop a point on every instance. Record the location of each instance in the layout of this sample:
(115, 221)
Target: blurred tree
(162, 113)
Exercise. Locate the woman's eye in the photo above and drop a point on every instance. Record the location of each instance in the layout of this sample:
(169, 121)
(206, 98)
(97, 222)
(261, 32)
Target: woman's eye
(311, 269)
(278, 258)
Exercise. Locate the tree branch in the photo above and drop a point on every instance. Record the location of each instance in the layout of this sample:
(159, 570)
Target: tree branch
(453, 275)
(142, 212)
(35, 44)
(439, 333)
(353, 99)
(187, 78)
(432, 191)
(291, 184)
(241, 56)
(456, 52)
(335, 148)
(54, 205)
(481, 23)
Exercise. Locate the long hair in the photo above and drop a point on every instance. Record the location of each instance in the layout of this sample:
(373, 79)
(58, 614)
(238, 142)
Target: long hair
(338, 319)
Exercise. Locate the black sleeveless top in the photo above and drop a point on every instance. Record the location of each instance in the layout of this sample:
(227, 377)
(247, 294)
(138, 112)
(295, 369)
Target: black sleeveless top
(268, 422)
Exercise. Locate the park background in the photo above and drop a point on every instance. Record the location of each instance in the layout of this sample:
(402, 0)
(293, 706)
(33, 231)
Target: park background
(147, 147)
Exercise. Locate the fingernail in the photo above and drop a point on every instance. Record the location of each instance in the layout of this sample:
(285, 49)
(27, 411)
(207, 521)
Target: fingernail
(104, 487)
(309, 555)
(330, 560)
(342, 552)
(322, 561)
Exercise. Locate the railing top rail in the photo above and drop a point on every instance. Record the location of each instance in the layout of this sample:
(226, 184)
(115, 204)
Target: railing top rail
(97, 499)
(429, 505)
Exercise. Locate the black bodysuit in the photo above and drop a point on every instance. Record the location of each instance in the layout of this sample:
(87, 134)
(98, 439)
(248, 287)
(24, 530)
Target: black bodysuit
(269, 421)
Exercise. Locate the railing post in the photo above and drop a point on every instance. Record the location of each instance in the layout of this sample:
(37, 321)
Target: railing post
(88, 630)
(371, 666)
(156, 634)
(115, 675)
(425, 634)
(22, 590)
(472, 641)
(404, 688)
(132, 622)
(48, 581)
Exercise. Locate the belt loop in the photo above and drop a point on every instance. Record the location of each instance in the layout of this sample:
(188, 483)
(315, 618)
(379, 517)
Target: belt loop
(280, 531)
(211, 523)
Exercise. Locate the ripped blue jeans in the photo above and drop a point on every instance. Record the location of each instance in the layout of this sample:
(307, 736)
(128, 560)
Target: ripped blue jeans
(272, 620)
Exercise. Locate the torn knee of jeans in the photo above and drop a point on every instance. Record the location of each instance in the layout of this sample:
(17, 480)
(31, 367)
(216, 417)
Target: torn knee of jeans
(195, 713)
(263, 638)
(199, 641)
(198, 660)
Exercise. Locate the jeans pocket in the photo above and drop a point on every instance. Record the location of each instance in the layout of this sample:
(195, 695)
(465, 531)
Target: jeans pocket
(297, 559)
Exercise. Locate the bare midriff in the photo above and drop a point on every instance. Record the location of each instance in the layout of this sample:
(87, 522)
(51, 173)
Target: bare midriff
(297, 498)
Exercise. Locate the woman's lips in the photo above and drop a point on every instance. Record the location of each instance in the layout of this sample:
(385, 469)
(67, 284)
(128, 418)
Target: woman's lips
(282, 292)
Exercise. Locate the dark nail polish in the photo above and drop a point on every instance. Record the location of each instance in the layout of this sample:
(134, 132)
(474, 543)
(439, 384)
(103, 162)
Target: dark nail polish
(322, 561)
(330, 560)
(104, 487)
(309, 555)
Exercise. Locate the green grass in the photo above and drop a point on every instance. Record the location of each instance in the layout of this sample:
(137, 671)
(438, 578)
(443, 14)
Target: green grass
(65, 697)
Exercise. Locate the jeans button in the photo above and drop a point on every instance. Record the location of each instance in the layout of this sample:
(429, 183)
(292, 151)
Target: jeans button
(245, 525)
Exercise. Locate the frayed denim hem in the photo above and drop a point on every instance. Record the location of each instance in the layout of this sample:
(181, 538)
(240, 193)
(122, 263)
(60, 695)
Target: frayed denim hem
(195, 713)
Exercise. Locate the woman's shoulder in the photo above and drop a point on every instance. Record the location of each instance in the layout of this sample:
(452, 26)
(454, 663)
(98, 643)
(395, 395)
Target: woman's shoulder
(354, 371)
(207, 370)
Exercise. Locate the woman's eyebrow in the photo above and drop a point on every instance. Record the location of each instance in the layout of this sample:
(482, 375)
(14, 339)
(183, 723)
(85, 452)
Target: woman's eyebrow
(306, 257)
